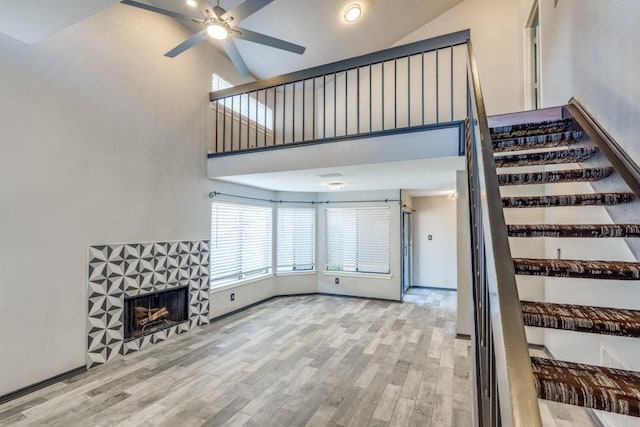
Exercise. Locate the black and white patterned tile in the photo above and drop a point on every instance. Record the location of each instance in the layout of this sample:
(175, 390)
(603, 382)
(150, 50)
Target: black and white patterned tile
(128, 270)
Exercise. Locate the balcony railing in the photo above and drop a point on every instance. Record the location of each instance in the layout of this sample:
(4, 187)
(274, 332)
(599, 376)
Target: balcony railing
(408, 88)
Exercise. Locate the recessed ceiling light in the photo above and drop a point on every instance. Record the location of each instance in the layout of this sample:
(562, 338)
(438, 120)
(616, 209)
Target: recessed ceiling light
(352, 13)
(192, 3)
(335, 186)
(217, 31)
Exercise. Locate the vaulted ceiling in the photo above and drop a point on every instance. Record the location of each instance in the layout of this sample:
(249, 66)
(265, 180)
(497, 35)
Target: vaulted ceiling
(316, 24)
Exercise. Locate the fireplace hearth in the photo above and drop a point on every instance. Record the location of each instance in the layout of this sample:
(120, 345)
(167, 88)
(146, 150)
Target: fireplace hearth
(146, 314)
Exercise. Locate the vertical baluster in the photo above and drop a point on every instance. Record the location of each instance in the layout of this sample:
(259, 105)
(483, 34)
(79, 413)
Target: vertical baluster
(324, 106)
(335, 105)
(257, 109)
(240, 123)
(346, 104)
(437, 89)
(382, 83)
(284, 110)
(451, 69)
(422, 86)
(232, 119)
(304, 104)
(248, 120)
(313, 112)
(358, 100)
(370, 98)
(273, 117)
(224, 125)
(293, 115)
(408, 91)
(217, 127)
(395, 94)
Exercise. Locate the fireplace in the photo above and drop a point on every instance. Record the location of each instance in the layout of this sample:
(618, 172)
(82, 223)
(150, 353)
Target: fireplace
(146, 314)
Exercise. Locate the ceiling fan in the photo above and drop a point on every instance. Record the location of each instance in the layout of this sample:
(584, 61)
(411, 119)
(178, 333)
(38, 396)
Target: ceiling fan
(222, 25)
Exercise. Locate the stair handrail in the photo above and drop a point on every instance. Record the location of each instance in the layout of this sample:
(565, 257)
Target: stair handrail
(624, 165)
(503, 380)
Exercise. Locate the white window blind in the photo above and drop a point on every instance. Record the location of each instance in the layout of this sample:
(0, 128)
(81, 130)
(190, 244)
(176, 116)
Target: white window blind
(240, 242)
(358, 239)
(246, 106)
(296, 241)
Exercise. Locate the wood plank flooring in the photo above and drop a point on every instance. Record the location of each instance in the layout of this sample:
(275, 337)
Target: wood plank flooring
(294, 361)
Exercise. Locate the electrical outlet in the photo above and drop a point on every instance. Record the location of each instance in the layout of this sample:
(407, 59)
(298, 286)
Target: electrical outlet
(336, 280)
(233, 297)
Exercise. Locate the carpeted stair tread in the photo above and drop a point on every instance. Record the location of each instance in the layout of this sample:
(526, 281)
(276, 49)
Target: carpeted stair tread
(574, 155)
(530, 129)
(574, 230)
(591, 199)
(582, 318)
(596, 387)
(554, 177)
(537, 141)
(609, 270)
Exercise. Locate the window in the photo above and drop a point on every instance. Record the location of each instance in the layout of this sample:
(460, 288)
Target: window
(358, 240)
(296, 239)
(240, 242)
(248, 108)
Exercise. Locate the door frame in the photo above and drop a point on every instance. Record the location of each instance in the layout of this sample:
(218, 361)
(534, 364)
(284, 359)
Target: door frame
(406, 248)
(531, 31)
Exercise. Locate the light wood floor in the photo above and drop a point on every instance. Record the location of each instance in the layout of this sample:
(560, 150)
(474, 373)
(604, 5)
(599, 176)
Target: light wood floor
(295, 361)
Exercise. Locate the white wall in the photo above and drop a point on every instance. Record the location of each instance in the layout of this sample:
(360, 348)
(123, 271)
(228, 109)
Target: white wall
(496, 41)
(104, 140)
(588, 50)
(435, 262)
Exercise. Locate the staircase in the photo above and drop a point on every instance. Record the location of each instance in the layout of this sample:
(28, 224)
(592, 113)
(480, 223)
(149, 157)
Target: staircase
(551, 143)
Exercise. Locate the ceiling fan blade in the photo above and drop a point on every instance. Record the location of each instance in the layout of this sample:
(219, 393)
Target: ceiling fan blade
(234, 55)
(156, 9)
(190, 42)
(252, 36)
(243, 10)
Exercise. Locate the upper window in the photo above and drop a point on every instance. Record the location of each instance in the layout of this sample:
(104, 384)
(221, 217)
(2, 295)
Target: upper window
(240, 242)
(296, 241)
(358, 240)
(245, 106)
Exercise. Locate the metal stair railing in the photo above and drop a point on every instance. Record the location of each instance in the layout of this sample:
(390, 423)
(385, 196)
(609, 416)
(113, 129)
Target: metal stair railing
(502, 378)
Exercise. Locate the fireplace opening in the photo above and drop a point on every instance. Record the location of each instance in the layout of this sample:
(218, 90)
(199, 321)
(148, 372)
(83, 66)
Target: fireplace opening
(146, 314)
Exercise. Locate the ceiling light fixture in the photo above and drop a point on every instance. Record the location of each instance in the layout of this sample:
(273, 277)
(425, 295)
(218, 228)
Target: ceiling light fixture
(192, 3)
(217, 31)
(335, 186)
(352, 13)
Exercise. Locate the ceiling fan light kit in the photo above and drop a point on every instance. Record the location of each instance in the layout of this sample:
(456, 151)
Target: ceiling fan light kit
(222, 25)
(217, 31)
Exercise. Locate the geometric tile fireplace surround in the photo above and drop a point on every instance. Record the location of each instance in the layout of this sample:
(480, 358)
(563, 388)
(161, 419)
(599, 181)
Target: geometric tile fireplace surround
(137, 269)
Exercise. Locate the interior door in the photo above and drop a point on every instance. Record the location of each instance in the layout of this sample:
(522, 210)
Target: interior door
(406, 251)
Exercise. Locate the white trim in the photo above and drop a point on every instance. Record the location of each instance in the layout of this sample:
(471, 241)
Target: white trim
(355, 274)
(224, 287)
(296, 273)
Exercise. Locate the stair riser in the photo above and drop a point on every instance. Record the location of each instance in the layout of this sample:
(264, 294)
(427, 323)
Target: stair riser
(562, 231)
(530, 129)
(554, 177)
(580, 325)
(536, 142)
(569, 200)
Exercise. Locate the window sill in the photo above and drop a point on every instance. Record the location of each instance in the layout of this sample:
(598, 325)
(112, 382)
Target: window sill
(296, 273)
(361, 275)
(243, 282)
